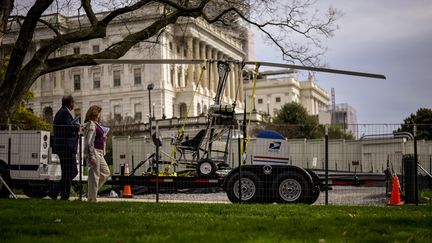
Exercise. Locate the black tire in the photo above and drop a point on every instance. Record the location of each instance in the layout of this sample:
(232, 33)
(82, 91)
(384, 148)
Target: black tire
(4, 192)
(291, 187)
(252, 188)
(36, 191)
(206, 168)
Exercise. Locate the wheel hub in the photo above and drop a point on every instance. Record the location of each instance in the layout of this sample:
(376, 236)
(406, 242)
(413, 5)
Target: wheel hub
(290, 190)
(248, 189)
(205, 168)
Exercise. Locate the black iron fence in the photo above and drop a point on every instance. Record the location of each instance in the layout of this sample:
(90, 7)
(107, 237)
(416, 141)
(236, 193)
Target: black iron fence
(349, 164)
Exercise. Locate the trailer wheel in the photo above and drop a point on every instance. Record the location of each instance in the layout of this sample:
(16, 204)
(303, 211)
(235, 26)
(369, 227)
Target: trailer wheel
(36, 191)
(206, 168)
(4, 192)
(251, 187)
(291, 187)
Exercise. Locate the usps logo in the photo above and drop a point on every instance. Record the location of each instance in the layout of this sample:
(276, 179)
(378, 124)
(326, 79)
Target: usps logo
(275, 146)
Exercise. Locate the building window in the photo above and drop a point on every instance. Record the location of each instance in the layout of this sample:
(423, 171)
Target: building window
(96, 81)
(172, 75)
(260, 101)
(117, 109)
(138, 112)
(48, 114)
(170, 46)
(95, 48)
(117, 112)
(198, 109)
(183, 110)
(77, 82)
(76, 50)
(137, 76)
(179, 76)
(116, 76)
(278, 99)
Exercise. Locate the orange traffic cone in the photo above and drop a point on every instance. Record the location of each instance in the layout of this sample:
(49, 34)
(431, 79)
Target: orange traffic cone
(395, 199)
(127, 191)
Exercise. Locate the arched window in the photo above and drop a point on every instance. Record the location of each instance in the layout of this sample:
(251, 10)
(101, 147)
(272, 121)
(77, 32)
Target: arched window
(48, 114)
(205, 109)
(183, 109)
(198, 109)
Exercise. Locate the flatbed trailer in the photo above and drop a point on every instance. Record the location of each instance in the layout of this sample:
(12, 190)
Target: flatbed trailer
(259, 183)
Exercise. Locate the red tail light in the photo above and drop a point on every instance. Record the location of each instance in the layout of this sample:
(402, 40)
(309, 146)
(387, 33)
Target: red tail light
(45, 138)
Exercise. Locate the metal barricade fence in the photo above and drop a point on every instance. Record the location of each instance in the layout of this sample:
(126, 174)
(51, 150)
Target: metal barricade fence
(354, 167)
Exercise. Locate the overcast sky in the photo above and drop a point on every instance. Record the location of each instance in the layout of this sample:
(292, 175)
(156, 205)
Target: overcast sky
(390, 37)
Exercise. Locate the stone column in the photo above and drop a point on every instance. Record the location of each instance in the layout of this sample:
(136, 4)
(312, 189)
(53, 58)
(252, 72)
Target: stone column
(204, 82)
(232, 81)
(196, 55)
(175, 81)
(189, 55)
(240, 83)
(236, 81)
(209, 72)
(181, 69)
(214, 70)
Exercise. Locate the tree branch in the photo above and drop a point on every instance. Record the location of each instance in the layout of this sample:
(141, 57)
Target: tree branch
(48, 24)
(105, 21)
(115, 51)
(89, 12)
(299, 53)
(22, 44)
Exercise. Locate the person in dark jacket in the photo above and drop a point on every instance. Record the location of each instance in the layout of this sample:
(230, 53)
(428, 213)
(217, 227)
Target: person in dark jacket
(64, 144)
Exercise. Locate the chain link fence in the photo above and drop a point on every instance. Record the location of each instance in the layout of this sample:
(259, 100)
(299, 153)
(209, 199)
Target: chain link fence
(353, 164)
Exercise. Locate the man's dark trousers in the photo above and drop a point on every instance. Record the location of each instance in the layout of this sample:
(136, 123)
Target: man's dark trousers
(68, 172)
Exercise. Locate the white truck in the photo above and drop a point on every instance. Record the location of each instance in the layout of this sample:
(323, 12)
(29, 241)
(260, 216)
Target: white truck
(27, 163)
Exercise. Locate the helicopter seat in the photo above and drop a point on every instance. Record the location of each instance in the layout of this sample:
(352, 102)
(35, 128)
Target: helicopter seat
(192, 145)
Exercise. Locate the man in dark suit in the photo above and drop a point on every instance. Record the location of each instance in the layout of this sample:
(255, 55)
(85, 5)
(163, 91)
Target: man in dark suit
(64, 144)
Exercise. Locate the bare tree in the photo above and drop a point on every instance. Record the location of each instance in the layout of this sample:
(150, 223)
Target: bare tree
(284, 25)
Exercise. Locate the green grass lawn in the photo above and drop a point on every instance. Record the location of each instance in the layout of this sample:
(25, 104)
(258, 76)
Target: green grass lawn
(57, 221)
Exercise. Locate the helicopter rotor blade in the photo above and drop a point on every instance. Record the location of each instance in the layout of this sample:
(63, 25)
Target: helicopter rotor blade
(268, 64)
(318, 69)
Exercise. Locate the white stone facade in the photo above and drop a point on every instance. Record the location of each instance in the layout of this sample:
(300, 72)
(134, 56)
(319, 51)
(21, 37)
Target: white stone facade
(122, 88)
(272, 93)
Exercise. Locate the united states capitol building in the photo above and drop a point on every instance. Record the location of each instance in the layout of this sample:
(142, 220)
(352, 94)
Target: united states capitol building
(121, 89)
